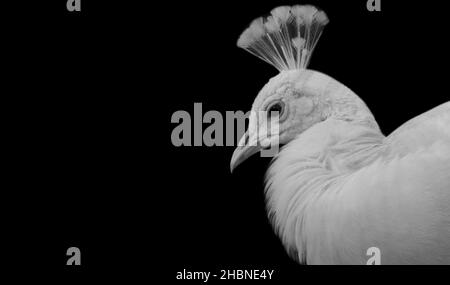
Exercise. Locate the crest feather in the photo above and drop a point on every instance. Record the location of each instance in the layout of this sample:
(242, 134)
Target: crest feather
(286, 38)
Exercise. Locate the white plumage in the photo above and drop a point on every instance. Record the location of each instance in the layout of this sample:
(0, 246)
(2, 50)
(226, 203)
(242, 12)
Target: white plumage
(339, 186)
(286, 38)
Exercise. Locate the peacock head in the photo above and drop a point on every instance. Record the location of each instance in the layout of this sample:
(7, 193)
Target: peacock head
(297, 98)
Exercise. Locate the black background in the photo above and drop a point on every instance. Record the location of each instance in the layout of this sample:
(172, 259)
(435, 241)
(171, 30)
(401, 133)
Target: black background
(93, 94)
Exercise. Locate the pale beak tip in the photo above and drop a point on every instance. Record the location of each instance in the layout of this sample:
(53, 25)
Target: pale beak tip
(243, 151)
(233, 164)
(236, 159)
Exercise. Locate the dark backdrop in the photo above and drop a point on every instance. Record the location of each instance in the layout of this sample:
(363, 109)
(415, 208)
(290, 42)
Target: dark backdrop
(94, 93)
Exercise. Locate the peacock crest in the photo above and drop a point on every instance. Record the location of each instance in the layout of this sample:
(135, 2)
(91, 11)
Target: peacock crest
(286, 38)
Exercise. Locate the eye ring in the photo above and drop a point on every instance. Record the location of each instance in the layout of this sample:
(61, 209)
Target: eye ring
(277, 106)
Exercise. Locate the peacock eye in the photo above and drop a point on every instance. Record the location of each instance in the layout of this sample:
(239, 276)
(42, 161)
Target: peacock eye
(277, 106)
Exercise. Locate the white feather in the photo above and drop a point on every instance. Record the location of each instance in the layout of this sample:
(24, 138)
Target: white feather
(341, 188)
(285, 39)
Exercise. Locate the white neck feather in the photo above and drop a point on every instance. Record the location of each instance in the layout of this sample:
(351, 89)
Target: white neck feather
(304, 170)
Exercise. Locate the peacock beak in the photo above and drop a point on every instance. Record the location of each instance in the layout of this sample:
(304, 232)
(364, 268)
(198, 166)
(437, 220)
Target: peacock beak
(261, 135)
(247, 146)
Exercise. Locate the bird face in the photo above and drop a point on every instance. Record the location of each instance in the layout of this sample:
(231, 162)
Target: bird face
(291, 102)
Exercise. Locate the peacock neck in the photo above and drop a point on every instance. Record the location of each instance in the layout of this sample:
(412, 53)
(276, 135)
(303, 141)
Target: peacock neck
(311, 166)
